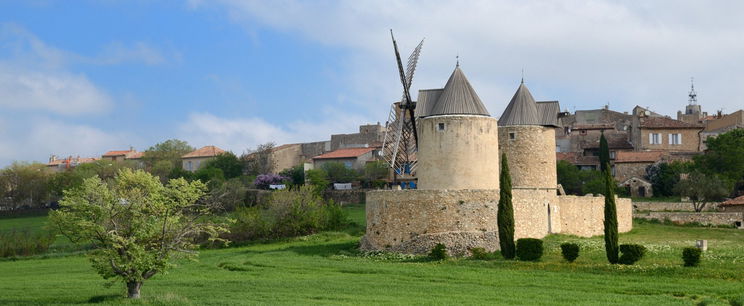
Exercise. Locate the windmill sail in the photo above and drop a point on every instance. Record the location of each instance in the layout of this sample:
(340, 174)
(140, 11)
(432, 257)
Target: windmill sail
(399, 146)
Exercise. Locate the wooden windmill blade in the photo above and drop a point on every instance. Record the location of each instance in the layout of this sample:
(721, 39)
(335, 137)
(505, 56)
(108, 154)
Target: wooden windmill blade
(401, 137)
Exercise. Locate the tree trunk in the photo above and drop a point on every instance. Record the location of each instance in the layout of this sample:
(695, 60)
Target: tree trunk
(133, 290)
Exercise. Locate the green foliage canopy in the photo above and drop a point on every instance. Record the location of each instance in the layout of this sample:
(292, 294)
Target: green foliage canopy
(505, 213)
(136, 225)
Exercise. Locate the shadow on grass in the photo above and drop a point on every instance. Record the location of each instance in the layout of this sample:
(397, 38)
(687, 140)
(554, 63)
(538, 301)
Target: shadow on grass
(104, 298)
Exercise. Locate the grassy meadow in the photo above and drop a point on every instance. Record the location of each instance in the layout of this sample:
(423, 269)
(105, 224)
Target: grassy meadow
(325, 268)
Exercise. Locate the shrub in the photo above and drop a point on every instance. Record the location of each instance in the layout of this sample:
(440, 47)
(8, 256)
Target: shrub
(24, 243)
(631, 253)
(480, 254)
(570, 251)
(529, 249)
(691, 256)
(439, 252)
(287, 213)
(737, 301)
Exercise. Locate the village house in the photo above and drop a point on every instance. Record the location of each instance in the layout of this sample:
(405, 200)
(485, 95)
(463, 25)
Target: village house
(732, 205)
(352, 158)
(194, 160)
(720, 125)
(650, 132)
(57, 164)
(122, 155)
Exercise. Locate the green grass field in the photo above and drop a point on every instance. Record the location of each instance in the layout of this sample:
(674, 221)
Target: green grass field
(325, 268)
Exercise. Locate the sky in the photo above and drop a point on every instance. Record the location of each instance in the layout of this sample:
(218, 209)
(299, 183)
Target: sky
(85, 77)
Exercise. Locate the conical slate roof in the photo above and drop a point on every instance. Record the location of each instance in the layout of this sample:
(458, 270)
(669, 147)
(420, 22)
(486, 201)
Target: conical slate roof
(522, 110)
(458, 97)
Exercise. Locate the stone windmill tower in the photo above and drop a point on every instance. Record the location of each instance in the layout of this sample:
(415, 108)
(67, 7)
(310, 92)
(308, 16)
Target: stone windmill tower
(528, 140)
(458, 139)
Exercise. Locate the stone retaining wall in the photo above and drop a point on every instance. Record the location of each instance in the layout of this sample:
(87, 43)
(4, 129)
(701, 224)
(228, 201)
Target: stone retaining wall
(706, 218)
(584, 216)
(670, 206)
(414, 221)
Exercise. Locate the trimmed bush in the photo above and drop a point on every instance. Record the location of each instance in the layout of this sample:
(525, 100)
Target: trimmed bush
(631, 253)
(15, 243)
(691, 256)
(530, 249)
(570, 251)
(439, 252)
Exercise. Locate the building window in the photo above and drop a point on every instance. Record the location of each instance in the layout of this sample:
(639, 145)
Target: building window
(512, 135)
(612, 154)
(675, 139)
(440, 127)
(347, 164)
(188, 166)
(654, 138)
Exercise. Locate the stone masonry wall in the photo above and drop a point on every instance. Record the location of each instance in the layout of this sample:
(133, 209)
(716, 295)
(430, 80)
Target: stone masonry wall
(458, 152)
(707, 218)
(414, 221)
(531, 155)
(531, 213)
(584, 216)
(670, 206)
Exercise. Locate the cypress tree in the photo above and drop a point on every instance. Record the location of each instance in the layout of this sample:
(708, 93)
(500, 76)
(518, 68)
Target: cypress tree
(505, 214)
(610, 219)
(604, 153)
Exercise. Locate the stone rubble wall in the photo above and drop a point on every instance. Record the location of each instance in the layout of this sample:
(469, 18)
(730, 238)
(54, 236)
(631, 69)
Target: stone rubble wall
(670, 206)
(413, 221)
(531, 155)
(584, 215)
(705, 218)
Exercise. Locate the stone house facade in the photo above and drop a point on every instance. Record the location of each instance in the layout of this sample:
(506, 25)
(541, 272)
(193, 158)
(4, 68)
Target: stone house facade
(196, 159)
(665, 134)
(352, 158)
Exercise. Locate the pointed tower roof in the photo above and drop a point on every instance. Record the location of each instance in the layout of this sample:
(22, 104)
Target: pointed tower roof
(458, 98)
(522, 109)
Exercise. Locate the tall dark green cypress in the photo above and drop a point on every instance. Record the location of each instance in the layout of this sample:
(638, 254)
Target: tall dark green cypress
(505, 215)
(610, 219)
(604, 153)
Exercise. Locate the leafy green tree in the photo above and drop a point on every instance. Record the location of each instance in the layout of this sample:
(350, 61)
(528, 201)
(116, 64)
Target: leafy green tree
(375, 173)
(63, 180)
(702, 188)
(724, 156)
(505, 213)
(610, 220)
(24, 185)
(230, 165)
(104, 169)
(664, 176)
(295, 174)
(339, 173)
(171, 151)
(579, 182)
(317, 178)
(136, 225)
(604, 153)
(213, 177)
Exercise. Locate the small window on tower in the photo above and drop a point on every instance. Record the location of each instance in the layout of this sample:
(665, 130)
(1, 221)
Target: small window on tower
(441, 126)
(512, 135)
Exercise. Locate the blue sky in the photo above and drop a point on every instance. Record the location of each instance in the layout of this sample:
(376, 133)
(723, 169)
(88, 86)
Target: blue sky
(83, 77)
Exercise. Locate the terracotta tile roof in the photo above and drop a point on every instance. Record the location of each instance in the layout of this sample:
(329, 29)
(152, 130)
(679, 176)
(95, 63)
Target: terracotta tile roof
(117, 153)
(79, 160)
(734, 201)
(344, 153)
(576, 158)
(666, 123)
(599, 126)
(206, 151)
(638, 157)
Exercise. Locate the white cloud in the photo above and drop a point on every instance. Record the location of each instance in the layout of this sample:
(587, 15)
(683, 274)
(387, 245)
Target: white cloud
(594, 52)
(34, 139)
(48, 91)
(241, 134)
